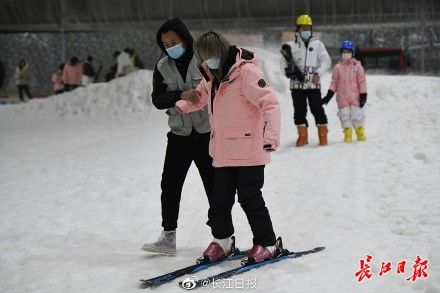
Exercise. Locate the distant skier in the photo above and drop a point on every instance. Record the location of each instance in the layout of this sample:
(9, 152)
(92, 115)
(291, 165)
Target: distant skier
(125, 65)
(135, 61)
(245, 120)
(348, 81)
(22, 79)
(189, 134)
(88, 72)
(305, 61)
(111, 74)
(72, 74)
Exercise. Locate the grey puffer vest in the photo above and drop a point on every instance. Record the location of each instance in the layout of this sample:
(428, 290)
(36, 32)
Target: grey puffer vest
(182, 124)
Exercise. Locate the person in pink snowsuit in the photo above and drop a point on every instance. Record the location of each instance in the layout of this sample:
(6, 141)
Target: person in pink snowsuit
(349, 82)
(245, 121)
(72, 74)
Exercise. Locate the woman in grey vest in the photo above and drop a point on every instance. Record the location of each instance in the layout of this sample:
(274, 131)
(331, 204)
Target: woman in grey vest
(189, 135)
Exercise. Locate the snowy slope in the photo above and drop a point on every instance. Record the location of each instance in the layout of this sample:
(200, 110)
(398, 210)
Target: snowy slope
(80, 193)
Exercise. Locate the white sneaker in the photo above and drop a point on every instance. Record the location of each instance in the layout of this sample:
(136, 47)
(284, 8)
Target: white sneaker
(166, 244)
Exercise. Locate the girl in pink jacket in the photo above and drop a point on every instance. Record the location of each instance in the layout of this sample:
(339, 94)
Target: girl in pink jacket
(348, 81)
(245, 121)
(72, 74)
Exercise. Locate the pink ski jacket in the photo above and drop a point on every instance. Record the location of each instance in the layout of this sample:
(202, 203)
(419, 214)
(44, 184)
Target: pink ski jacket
(244, 115)
(57, 82)
(348, 81)
(72, 74)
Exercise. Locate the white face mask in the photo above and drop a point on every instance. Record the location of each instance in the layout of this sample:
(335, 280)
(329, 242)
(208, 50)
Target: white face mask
(305, 35)
(213, 63)
(346, 56)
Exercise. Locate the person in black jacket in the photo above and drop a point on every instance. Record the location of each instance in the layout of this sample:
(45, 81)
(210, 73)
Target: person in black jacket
(189, 135)
(88, 71)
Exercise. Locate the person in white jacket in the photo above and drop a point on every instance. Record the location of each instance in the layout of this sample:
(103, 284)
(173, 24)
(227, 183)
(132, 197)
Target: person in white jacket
(124, 64)
(305, 61)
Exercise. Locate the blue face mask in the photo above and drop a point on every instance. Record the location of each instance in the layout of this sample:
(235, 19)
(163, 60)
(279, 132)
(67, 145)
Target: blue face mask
(213, 63)
(176, 52)
(306, 35)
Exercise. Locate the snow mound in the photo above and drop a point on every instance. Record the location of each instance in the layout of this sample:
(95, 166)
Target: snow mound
(124, 96)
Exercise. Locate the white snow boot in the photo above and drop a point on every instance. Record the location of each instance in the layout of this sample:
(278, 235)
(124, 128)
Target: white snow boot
(166, 244)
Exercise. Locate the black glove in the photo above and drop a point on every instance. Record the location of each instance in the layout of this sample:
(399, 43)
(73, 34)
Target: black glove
(289, 72)
(294, 73)
(298, 73)
(268, 148)
(362, 99)
(328, 97)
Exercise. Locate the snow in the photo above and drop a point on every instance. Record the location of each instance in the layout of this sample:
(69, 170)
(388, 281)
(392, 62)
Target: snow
(80, 192)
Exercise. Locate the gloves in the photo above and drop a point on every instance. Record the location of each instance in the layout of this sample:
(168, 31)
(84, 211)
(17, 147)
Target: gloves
(328, 97)
(294, 73)
(268, 148)
(362, 99)
(289, 72)
(298, 73)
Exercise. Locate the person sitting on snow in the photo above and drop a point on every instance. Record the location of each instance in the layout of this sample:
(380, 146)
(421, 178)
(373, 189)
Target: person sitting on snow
(348, 81)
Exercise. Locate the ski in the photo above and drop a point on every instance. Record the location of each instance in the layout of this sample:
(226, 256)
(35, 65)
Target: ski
(191, 283)
(201, 264)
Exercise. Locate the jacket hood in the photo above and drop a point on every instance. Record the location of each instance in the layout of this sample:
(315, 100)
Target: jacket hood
(242, 56)
(236, 57)
(177, 25)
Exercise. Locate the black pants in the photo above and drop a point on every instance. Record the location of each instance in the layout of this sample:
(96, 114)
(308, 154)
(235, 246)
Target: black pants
(24, 88)
(300, 97)
(247, 183)
(181, 152)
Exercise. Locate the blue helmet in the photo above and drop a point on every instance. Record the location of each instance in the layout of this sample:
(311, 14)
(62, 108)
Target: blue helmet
(347, 45)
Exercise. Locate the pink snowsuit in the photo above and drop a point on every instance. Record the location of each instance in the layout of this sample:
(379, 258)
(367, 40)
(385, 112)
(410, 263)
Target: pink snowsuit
(72, 74)
(244, 115)
(348, 81)
(57, 82)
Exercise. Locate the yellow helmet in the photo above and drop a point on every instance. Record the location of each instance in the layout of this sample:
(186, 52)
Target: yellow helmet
(304, 20)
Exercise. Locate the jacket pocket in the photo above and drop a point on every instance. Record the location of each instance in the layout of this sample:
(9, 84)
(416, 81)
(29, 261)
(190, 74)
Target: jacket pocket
(175, 120)
(237, 143)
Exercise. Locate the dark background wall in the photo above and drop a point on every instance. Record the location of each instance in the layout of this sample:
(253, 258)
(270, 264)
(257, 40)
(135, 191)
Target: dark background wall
(48, 32)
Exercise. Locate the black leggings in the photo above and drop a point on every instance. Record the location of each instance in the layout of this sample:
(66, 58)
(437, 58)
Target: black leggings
(25, 88)
(247, 183)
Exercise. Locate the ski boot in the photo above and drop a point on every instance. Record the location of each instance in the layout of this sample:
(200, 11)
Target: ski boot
(322, 134)
(166, 244)
(302, 135)
(260, 253)
(360, 133)
(218, 249)
(348, 133)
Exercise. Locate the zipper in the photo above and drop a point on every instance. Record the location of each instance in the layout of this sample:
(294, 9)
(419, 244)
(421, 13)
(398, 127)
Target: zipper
(305, 60)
